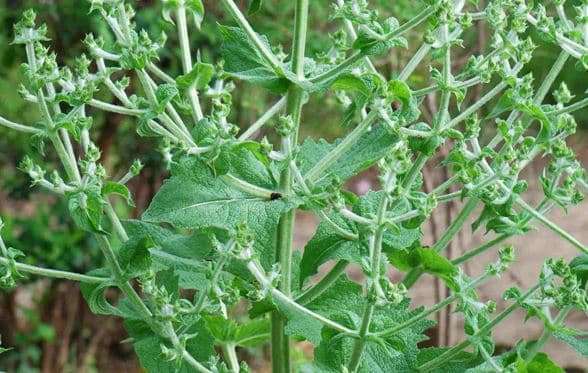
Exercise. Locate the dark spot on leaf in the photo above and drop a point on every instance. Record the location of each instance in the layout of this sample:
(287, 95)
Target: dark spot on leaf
(275, 196)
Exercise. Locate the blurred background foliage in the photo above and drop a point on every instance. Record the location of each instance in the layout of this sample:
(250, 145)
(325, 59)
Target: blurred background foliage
(29, 212)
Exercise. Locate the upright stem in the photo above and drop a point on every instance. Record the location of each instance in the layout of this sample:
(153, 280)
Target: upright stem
(187, 62)
(295, 100)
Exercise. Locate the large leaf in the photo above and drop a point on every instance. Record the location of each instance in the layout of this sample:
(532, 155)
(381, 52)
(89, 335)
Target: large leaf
(194, 198)
(371, 147)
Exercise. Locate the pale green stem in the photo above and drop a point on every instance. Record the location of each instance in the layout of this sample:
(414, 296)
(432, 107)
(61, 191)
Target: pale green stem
(343, 147)
(230, 355)
(295, 101)
(170, 334)
(263, 119)
(547, 333)
(248, 188)
(551, 225)
(325, 283)
(19, 127)
(187, 62)
(53, 273)
(452, 352)
(262, 279)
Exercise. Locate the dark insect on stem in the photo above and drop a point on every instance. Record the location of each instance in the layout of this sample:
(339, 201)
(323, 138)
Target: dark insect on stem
(275, 196)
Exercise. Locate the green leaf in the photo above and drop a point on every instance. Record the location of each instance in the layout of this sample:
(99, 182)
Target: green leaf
(147, 345)
(94, 294)
(112, 187)
(134, 257)
(254, 6)
(193, 198)
(243, 61)
(197, 9)
(399, 90)
(327, 244)
(429, 260)
(183, 253)
(578, 343)
(541, 363)
(345, 304)
(579, 266)
(370, 148)
(351, 83)
(164, 94)
(249, 334)
(86, 209)
(199, 77)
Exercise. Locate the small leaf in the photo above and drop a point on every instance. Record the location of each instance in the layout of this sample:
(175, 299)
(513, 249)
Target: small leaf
(579, 266)
(86, 209)
(248, 334)
(112, 187)
(254, 6)
(578, 343)
(199, 77)
(197, 9)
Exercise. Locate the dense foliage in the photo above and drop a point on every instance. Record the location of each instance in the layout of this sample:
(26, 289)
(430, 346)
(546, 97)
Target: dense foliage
(218, 234)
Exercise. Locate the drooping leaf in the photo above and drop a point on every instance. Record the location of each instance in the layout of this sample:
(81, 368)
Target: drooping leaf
(86, 209)
(579, 266)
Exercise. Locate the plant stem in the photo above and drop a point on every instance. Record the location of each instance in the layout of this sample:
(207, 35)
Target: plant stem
(295, 99)
(452, 352)
(263, 119)
(231, 357)
(320, 287)
(53, 273)
(319, 168)
(187, 62)
(547, 333)
(551, 225)
(261, 47)
(19, 127)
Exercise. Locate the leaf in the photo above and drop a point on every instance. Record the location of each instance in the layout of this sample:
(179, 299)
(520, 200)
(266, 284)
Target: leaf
(183, 253)
(197, 9)
(86, 209)
(199, 77)
(579, 266)
(148, 347)
(427, 259)
(164, 94)
(254, 6)
(94, 295)
(578, 343)
(345, 304)
(249, 334)
(370, 148)
(351, 82)
(327, 244)
(399, 90)
(112, 187)
(134, 256)
(193, 198)
(243, 61)
(541, 363)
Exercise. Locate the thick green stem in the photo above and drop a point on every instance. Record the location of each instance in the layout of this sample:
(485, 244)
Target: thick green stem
(295, 101)
(320, 287)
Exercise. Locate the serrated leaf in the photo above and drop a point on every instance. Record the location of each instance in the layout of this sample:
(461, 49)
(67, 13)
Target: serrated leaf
(86, 209)
(579, 266)
(193, 198)
(370, 148)
(94, 294)
(148, 347)
(183, 253)
(243, 61)
(248, 334)
(578, 343)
